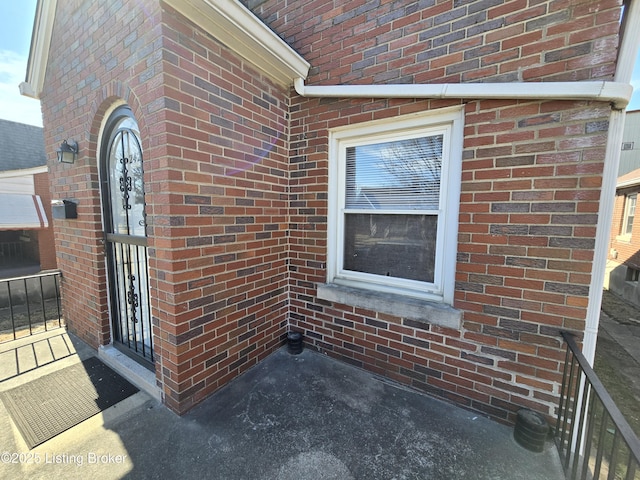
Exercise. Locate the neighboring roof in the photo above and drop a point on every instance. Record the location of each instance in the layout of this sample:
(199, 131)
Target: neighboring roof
(21, 146)
(228, 21)
(629, 179)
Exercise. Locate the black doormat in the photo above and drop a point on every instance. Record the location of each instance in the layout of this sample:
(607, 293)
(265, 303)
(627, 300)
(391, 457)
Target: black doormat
(49, 405)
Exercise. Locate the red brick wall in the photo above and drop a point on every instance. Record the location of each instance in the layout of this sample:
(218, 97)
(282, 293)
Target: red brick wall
(429, 41)
(116, 56)
(46, 241)
(526, 236)
(223, 213)
(528, 215)
(626, 248)
(530, 191)
(214, 136)
(236, 182)
(624, 252)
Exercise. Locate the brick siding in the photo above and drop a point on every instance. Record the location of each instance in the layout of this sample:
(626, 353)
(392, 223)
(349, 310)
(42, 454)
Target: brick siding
(624, 251)
(626, 248)
(225, 215)
(430, 41)
(530, 186)
(110, 60)
(526, 236)
(236, 180)
(215, 141)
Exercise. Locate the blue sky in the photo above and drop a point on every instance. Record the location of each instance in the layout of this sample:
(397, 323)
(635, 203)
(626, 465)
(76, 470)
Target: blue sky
(16, 24)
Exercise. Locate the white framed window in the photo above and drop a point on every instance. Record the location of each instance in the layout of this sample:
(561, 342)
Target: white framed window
(394, 193)
(629, 214)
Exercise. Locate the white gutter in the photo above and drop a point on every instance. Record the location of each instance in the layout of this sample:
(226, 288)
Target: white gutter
(624, 69)
(24, 172)
(628, 183)
(617, 93)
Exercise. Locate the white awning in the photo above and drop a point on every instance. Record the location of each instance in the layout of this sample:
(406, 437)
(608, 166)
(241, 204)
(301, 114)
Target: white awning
(21, 212)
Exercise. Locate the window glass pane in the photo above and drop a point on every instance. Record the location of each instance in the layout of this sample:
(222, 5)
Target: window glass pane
(399, 175)
(401, 246)
(117, 188)
(126, 182)
(136, 200)
(631, 213)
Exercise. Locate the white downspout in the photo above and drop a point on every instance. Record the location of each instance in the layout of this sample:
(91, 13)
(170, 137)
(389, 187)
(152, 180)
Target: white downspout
(624, 70)
(603, 231)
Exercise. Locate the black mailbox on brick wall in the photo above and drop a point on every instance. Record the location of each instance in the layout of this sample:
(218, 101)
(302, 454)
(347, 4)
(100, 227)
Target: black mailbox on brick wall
(64, 209)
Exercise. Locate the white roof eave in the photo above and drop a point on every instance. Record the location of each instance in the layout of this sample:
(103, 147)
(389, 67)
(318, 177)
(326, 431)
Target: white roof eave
(39, 51)
(633, 182)
(240, 30)
(228, 21)
(24, 171)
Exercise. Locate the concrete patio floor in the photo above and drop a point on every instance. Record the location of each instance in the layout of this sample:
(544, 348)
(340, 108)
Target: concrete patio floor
(290, 417)
(20, 356)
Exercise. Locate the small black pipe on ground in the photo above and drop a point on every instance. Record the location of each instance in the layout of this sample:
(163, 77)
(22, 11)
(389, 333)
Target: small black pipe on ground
(531, 430)
(294, 343)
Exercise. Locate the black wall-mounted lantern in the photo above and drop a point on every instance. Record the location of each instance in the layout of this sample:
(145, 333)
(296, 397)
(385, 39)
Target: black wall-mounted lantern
(67, 152)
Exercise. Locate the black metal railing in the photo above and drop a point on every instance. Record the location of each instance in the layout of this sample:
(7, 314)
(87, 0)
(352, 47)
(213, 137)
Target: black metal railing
(593, 438)
(29, 305)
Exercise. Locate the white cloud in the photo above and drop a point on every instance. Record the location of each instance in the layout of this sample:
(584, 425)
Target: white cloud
(14, 106)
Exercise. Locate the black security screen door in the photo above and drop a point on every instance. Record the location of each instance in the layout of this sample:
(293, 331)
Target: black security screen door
(126, 239)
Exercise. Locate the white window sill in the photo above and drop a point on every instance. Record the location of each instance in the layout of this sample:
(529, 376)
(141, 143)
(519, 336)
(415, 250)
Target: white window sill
(623, 238)
(431, 313)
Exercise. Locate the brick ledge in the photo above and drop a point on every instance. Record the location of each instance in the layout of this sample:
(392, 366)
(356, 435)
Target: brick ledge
(429, 312)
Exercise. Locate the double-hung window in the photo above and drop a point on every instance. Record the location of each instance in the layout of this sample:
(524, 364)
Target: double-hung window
(629, 214)
(393, 205)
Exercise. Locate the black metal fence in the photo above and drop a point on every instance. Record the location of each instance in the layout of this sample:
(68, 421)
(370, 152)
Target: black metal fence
(29, 305)
(593, 438)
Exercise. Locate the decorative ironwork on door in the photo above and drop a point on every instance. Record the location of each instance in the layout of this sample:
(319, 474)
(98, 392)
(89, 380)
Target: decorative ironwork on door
(126, 237)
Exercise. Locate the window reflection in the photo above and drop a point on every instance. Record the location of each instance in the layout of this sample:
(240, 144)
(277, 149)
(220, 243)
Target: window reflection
(126, 180)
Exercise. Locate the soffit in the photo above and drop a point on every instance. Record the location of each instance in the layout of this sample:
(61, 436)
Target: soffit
(240, 30)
